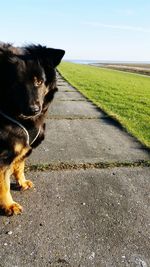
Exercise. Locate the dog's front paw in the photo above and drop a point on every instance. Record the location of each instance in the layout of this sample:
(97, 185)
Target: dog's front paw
(14, 208)
(27, 184)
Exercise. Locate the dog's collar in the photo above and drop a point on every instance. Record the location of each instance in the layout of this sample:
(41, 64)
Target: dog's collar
(22, 127)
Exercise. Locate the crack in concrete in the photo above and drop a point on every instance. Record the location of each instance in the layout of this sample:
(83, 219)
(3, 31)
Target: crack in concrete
(59, 166)
(74, 100)
(53, 117)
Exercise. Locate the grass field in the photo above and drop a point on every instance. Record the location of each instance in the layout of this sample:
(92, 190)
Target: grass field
(124, 96)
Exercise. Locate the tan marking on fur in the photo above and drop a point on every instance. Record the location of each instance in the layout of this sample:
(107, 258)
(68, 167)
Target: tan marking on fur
(6, 201)
(18, 171)
(18, 147)
(20, 151)
(17, 167)
(46, 91)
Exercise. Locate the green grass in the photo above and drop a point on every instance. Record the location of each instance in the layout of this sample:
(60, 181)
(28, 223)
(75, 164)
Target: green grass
(124, 96)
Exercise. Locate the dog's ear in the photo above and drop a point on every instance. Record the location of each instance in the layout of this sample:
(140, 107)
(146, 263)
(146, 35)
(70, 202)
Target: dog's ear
(46, 56)
(54, 56)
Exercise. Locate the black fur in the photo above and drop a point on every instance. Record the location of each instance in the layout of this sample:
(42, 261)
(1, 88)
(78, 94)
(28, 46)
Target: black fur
(27, 86)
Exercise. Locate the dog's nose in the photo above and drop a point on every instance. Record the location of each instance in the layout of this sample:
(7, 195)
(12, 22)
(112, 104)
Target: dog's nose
(35, 109)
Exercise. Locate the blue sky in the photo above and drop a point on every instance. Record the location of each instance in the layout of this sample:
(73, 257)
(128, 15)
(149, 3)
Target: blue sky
(86, 29)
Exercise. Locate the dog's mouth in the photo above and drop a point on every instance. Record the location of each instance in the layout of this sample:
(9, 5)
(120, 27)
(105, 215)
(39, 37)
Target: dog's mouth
(31, 113)
(22, 116)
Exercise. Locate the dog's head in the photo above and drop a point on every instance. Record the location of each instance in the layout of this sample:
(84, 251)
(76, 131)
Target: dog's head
(27, 78)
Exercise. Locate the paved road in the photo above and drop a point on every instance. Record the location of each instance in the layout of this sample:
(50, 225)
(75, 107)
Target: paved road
(90, 203)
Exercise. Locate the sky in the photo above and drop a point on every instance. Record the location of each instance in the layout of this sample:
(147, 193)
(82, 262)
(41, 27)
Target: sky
(85, 29)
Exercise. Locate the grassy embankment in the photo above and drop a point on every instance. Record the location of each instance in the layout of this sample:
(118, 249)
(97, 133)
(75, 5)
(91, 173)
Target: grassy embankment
(124, 96)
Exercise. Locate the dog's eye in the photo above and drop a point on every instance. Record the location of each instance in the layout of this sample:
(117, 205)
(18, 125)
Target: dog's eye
(38, 82)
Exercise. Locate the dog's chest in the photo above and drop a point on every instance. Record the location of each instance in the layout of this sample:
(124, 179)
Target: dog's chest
(12, 131)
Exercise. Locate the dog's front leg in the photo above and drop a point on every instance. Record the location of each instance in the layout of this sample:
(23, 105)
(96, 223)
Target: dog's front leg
(6, 201)
(18, 164)
(18, 171)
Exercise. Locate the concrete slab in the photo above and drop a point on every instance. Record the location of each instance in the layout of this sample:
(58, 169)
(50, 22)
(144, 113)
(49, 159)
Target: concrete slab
(73, 109)
(61, 82)
(82, 218)
(64, 86)
(87, 141)
(69, 96)
(68, 88)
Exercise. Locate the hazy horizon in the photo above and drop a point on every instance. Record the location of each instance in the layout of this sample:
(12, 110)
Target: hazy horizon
(106, 61)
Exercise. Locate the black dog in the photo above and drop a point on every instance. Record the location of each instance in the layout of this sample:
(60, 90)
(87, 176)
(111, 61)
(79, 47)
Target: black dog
(27, 86)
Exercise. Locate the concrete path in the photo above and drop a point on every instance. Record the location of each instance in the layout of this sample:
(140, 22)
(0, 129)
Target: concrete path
(90, 204)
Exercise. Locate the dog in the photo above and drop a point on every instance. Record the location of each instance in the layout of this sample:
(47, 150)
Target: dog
(27, 86)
